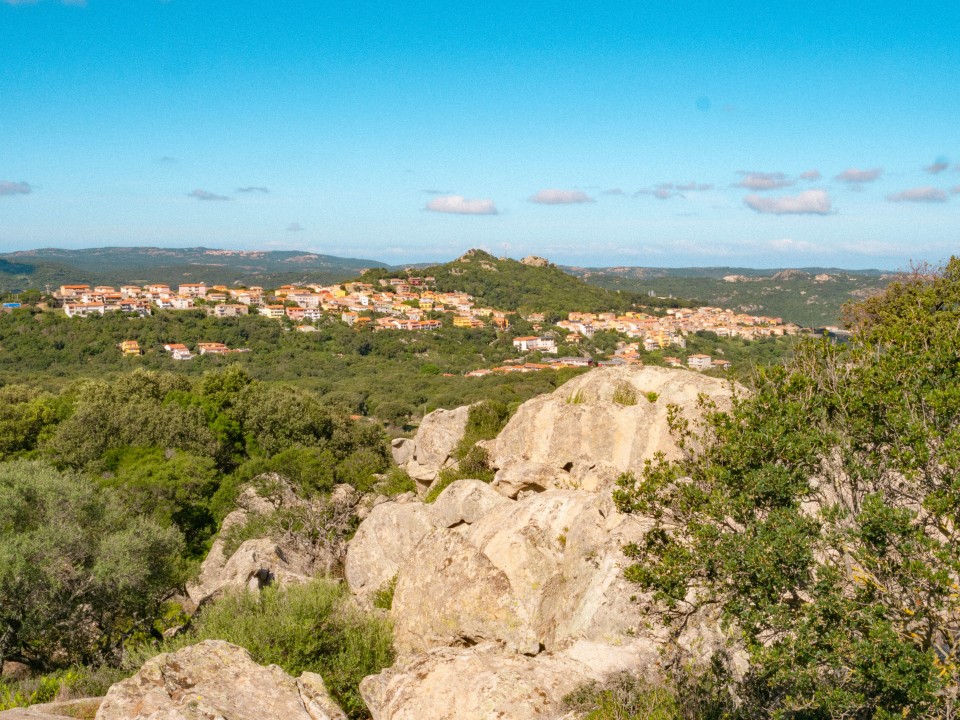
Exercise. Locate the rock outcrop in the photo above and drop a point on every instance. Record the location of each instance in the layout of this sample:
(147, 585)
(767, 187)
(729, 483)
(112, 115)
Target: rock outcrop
(432, 448)
(384, 541)
(476, 683)
(263, 561)
(603, 423)
(540, 574)
(215, 679)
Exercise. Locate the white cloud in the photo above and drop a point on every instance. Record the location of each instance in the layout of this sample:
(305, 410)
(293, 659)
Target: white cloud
(254, 189)
(552, 196)
(936, 168)
(8, 187)
(763, 180)
(294, 227)
(788, 245)
(459, 205)
(955, 190)
(206, 195)
(810, 175)
(809, 202)
(924, 194)
(855, 175)
(613, 191)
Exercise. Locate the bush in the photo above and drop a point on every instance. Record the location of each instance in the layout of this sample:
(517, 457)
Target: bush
(625, 394)
(624, 698)
(383, 596)
(312, 627)
(397, 482)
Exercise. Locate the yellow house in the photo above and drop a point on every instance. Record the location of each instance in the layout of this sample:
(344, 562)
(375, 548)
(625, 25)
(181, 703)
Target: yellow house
(130, 347)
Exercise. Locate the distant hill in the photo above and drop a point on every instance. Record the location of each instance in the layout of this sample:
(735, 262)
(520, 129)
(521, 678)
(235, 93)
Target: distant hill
(531, 285)
(808, 296)
(140, 265)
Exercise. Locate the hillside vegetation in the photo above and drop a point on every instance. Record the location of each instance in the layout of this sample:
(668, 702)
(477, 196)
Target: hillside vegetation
(795, 295)
(508, 284)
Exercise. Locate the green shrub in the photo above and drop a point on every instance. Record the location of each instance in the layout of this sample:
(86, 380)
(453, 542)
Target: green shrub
(651, 396)
(314, 627)
(383, 597)
(625, 394)
(577, 398)
(625, 698)
(397, 482)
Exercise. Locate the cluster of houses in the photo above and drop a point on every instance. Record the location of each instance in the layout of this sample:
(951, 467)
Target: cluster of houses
(404, 303)
(411, 304)
(661, 332)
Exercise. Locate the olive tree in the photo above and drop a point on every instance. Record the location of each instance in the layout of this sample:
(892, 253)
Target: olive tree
(78, 574)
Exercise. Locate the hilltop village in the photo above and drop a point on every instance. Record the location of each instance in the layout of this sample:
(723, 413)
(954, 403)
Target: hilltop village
(412, 304)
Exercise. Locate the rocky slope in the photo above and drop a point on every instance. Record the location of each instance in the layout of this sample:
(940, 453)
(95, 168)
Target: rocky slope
(507, 596)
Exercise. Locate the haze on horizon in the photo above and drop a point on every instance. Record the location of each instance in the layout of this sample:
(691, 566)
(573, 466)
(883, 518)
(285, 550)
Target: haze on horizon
(763, 135)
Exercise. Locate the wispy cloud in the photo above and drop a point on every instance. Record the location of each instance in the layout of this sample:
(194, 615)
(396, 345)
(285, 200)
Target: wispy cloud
(936, 168)
(763, 180)
(857, 176)
(664, 191)
(167, 160)
(553, 196)
(8, 187)
(955, 190)
(459, 205)
(809, 202)
(924, 194)
(253, 189)
(810, 175)
(694, 187)
(294, 227)
(789, 245)
(206, 195)
(613, 191)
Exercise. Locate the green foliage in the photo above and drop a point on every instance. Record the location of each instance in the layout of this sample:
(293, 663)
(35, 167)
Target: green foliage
(79, 681)
(624, 698)
(510, 285)
(301, 628)
(78, 573)
(820, 516)
(577, 398)
(651, 396)
(397, 482)
(625, 394)
(172, 487)
(383, 596)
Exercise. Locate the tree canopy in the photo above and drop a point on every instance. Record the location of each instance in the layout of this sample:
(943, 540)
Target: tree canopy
(821, 515)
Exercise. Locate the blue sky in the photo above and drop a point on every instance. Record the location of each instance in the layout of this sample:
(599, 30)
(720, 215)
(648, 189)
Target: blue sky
(636, 133)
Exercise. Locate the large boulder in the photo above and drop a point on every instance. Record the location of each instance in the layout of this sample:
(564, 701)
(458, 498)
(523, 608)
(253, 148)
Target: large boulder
(544, 573)
(215, 679)
(475, 683)
(598, 425)
(384, 541)
(432, 448)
